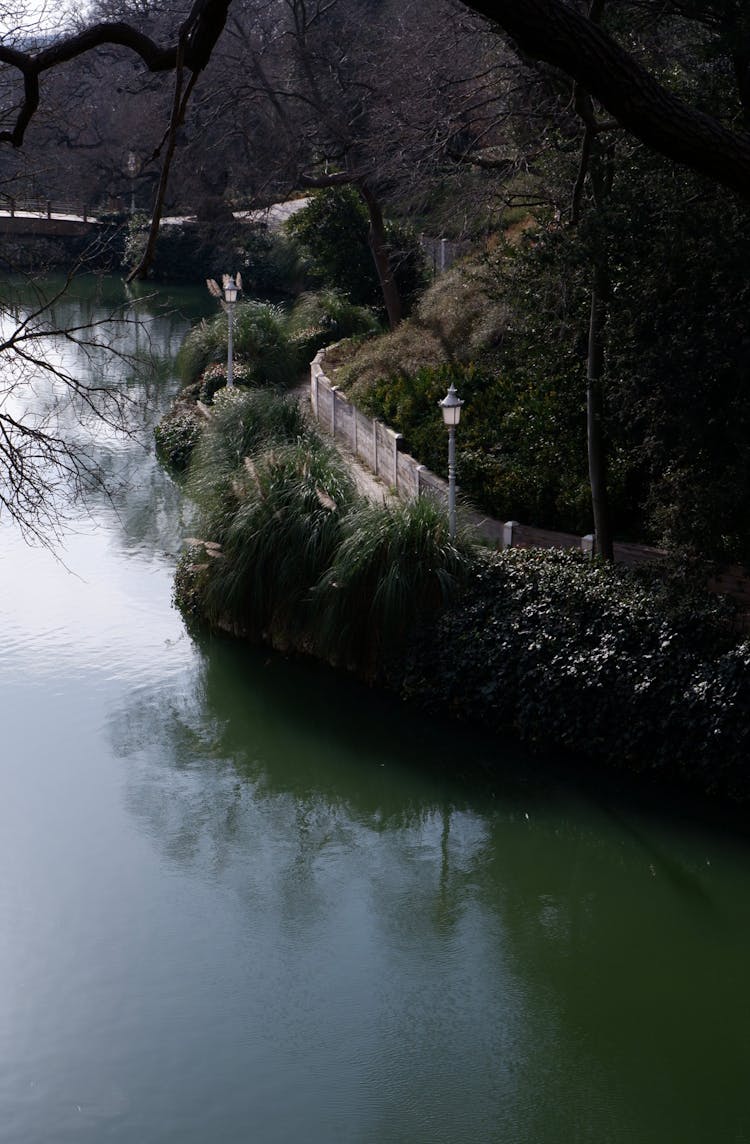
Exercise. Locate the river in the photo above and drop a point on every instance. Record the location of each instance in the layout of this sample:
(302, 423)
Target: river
(243, 899)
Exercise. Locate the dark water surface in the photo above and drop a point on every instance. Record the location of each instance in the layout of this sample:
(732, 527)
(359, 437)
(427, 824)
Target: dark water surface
(243, 900)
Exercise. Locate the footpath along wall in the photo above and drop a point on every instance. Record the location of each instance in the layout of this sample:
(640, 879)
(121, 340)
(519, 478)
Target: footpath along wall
(381, 449)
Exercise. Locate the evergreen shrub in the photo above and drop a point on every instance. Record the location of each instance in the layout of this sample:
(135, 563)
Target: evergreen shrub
(614, 665)
(176, 435)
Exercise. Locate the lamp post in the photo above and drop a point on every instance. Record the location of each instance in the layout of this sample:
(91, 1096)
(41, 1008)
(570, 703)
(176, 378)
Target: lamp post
(132, 172)
(231, 290)
(451, 410)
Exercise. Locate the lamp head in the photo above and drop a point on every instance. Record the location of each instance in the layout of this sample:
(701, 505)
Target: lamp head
(451, 407)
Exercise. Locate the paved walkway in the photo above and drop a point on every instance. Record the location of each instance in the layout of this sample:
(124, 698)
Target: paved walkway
(368, 485)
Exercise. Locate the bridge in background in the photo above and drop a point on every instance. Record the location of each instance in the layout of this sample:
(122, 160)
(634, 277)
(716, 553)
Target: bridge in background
(47, 218)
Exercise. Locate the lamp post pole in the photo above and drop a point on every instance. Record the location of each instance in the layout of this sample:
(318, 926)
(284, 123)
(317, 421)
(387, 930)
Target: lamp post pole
(451, 410)
(132, 171)
(452, 481)
(230, 297)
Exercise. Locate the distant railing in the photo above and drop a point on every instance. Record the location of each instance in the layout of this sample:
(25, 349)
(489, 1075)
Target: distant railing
(51, 208)
(441, 253)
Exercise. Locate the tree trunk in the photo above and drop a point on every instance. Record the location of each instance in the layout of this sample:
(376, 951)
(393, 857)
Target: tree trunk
(379, 248)
(564, 36)
(595, 411)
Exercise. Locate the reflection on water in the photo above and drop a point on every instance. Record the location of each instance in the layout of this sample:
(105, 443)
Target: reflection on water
(243, 898)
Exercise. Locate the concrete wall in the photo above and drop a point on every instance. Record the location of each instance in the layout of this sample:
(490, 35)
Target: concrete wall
(380, 450)
(372, 442)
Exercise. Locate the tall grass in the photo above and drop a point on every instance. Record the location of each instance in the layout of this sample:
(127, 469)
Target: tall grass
(396, 566)
(294, 557)
(261, 341)
(244, 422)
(281, 528)
(333, 312)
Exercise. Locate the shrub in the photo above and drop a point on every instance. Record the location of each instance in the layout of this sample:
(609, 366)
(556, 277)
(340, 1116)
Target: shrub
(461, 308)
(321, 317)
(271, 263)
(612, 665)
(333, 231)
(399, 353)
(214, 378)
(261, 343)
(176, 435)
(395, 566)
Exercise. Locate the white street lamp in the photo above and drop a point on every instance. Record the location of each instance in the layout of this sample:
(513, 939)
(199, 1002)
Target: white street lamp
(231, 290)
(227, 293)
(451, 410)
(132, 166)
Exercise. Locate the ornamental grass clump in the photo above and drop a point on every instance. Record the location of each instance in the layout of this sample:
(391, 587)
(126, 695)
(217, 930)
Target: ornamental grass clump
(332, 311)
(261, 344)
(243, 423)
(280, 525)
(396, 566)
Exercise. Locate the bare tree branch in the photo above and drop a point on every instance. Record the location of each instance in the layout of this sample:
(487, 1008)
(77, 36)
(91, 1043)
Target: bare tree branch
(562, 35)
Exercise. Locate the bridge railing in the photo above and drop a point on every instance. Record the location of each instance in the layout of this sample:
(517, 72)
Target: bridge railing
(50, 208)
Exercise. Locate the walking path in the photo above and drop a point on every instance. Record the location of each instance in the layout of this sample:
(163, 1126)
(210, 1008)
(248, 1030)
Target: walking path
(367, 483)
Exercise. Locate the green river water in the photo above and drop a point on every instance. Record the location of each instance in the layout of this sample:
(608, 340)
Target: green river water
(242, 899)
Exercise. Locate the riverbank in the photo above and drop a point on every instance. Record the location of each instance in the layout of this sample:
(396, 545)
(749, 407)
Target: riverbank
(643, 675)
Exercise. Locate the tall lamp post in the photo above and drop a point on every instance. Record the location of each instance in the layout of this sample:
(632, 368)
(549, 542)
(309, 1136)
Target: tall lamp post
(231, 290)
(132, 166)
(451, 410)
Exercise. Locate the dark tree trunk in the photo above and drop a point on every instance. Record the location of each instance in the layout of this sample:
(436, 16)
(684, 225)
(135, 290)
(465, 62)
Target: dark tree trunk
(379, 248)
(595, 410)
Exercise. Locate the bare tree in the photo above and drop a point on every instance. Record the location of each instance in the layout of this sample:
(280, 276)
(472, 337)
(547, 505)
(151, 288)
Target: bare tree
(47, 409)
(561, 34)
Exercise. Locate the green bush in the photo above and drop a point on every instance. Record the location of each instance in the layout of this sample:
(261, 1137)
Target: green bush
(521, 448)
(176, 435)
(333, 232)
(613, 665)
(271, 263)
(324, 316)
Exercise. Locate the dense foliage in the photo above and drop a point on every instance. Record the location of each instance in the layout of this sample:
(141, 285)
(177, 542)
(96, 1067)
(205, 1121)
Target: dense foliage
(510, 331)
(333, 231)
(521, 448)
(177, 434)
(636, 670)
(261, 344)
(624, 668)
